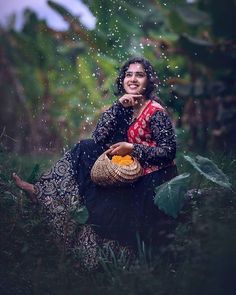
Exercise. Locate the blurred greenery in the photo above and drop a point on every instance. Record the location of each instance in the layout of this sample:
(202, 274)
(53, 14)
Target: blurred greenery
(54, 84)
(53, 87)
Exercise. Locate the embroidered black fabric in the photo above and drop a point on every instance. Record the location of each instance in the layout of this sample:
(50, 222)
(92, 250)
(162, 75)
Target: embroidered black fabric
(114, 215)
(113, 125)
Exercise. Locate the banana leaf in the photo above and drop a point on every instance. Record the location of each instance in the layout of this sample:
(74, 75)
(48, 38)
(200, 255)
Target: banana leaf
(170, 196)
(209, 169)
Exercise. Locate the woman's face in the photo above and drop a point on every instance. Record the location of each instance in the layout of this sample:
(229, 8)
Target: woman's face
(135, 81)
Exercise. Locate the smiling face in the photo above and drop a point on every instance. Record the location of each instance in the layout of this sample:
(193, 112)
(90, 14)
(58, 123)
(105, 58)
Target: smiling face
(135, 81)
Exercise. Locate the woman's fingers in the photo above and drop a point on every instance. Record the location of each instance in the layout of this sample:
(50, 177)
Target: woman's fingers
(129, 100)
(134, 99)
(115, 145)
(121, 148)
(109, 151)
(116, 148)
(137, 95)
(115, 151)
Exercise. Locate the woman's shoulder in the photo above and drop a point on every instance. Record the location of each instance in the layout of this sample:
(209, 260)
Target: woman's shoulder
(157, 106)
(153, 107)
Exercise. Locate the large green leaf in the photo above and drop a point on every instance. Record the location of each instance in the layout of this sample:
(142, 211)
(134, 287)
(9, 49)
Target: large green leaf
(209, 169)
(170, 196)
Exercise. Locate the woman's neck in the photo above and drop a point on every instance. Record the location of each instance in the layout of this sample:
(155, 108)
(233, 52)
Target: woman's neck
(140, 103)
(138, 108)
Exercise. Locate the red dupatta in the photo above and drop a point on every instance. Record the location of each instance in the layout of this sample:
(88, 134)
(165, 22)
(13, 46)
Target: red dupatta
(139, 131)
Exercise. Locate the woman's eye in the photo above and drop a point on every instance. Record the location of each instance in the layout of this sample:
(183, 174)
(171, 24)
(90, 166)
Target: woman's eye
(140, 75)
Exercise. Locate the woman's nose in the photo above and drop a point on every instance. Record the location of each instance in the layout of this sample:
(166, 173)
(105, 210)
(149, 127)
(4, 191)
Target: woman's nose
(133, 77)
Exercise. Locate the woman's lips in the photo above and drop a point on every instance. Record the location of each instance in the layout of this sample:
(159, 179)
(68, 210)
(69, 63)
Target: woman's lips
(133, 86)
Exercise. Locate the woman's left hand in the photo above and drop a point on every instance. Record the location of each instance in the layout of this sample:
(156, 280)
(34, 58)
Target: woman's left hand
(121, 148)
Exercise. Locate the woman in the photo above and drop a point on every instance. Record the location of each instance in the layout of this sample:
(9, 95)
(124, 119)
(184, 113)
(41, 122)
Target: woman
(136, 124)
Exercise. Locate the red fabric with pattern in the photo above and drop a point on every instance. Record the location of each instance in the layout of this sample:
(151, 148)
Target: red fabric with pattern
(139, 131)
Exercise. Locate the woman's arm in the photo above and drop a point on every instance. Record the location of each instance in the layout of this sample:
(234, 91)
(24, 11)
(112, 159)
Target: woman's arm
(112, 123)
(164, 135)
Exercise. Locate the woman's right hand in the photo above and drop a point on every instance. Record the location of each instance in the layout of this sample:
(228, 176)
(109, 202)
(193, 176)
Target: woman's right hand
(121, 148)
(130, 100)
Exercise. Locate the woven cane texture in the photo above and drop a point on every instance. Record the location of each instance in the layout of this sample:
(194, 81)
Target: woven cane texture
(104, 172)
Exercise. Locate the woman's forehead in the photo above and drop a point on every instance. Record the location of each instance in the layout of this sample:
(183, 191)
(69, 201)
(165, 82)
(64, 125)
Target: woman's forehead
(136, 67)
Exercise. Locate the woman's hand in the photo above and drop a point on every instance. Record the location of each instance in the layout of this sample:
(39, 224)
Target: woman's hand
(130, 100)
(121, 148)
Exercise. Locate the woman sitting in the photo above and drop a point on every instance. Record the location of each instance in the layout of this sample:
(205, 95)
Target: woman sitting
(137, 124)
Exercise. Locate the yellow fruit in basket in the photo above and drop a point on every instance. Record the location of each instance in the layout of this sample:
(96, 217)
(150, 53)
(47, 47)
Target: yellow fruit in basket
(122, 160)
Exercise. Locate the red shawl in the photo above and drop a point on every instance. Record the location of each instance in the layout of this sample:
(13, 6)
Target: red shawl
(139, 131)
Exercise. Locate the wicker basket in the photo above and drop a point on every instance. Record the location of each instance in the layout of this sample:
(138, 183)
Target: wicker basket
(104, 172)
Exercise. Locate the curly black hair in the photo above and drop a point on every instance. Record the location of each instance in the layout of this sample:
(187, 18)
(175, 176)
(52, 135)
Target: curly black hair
(151, 88)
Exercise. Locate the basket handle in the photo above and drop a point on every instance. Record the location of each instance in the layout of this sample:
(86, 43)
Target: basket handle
(108, 151)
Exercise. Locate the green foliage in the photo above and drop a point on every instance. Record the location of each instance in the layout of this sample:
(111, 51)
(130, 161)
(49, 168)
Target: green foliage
(193, 16)
(80, 215)
(202, 243)
(200, 259)
(204, 51)
(187, 19)
(34, 174)
(60, 9)
(209, 169)
(170, 196)
(223, 17)
(72, 73)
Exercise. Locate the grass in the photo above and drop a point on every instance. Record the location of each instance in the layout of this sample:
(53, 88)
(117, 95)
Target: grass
(199, 259)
